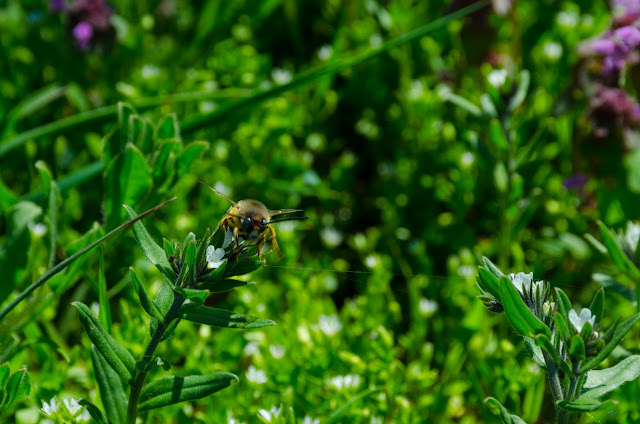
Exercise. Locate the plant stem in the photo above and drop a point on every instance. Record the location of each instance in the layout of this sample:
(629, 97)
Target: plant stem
(156, 338)
(562, 416)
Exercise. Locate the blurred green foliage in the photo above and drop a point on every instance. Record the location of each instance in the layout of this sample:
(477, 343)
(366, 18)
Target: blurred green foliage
(406, 192)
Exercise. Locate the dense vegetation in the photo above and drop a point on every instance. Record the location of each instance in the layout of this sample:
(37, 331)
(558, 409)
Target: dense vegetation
(417, 136)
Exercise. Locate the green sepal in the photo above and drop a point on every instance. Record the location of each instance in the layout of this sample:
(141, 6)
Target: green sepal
(619, 333)
(562, 327)
(564, 304)
(577, 349)
(585, 405)
(521, 318)
(586, 331)
(171, 390)
(492, 268)
(496, 408)
(219, 318)
(168, 248)
(597, 305)
(145, 300)
(113, 352)
(488, 282)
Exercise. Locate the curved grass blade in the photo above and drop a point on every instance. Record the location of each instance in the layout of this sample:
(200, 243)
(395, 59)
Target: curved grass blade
(62, 265)
(330, 69)
(337, 415)
(170, 390)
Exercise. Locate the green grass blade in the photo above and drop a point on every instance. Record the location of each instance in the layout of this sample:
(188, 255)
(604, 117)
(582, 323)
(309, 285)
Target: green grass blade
(337, 415)
(62, 265)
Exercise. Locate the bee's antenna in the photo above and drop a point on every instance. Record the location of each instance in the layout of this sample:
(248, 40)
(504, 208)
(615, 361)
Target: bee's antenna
(217, 192)
(293, 218)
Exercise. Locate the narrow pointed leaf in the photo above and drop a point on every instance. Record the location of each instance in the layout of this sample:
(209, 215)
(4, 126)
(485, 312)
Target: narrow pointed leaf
(597, 305)
(103, 300)
(242, 267)
(543, 341)
(601, 382)
(489, 282)
(195, 295)
(497, 409)
(562, 326)
(337, 415)
(170, 390)
(620, 332)
(220, 318)
(564, 304)
(225, 285)
(94, 411)
(619, 258)
(491, 267)
(595, 243)
(151, 250)
(112, 394)
(520, 316)
(168, 127)
(18, 388)
(113, 352)
(577, 349)
(145, 300)
(585, 405)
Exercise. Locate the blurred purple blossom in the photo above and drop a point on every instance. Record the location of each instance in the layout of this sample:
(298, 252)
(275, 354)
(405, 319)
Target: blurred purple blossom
(619, 48)
(57, 6)
(575, 182)
(612, 106)
(625, 11)
(83, 33)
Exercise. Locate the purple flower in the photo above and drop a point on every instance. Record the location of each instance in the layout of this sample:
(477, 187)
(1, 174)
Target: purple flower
(610, 107)
(57, 6)
(619, 48)
(625, 11)
(575, 182)
(83, 33)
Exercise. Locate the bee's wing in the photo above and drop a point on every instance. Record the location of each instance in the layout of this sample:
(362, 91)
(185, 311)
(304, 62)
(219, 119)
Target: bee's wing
(281, 211)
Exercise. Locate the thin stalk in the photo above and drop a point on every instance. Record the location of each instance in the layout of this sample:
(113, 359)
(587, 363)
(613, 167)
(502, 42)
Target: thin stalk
(573, 382)
(156, 338)
(562, 416)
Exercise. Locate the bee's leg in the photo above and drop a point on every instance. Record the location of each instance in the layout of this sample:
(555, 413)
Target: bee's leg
(223, 223)
(274, 241)
(260, 244)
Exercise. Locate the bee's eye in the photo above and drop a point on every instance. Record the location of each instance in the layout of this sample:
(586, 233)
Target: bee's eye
(247, 223)
(263, 222)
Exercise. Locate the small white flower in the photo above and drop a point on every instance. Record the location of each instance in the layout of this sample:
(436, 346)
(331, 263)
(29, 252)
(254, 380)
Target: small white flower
(84, 417)
(427, 306)
(497, 77)
(341, 382)
(255, 375)
(72, 406)
(277, 351)
(329, 324)
(215, 257)
(228, 239)
(579, 321)
(308, 420)
(51, 407)
(522, 281)
(269, 415)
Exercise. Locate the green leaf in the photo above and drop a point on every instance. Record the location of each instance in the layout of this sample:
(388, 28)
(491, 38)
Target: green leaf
(496, 408)
(601, 382)
(94, 411)
(168, 127)
(497, 136)
(544, 342)
(562, 327)
(535, 352)
(577, 349)
(190, 254)
(221, 286)
(17, 388)
(195, 295)
(62, 265)
(220, 318)
(488, 282)
(171, 390)
(619, 333)
(520, 316)
(597, 305)
(163, 301)
(145, 300)
(586, 405)
(150, 249)
(112, 394)
(564, 306)
(161, 159)
(190, 153)
(521, 92)
(241, 267)
(619, 258)
(103, 300)
(113, 352)
(491, 267)
(445, 93)
(595, 243)
(5, 372)
(125, 112)
(127, 180)
(168, 248)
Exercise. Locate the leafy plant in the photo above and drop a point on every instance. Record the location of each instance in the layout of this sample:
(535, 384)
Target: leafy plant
(566, 344)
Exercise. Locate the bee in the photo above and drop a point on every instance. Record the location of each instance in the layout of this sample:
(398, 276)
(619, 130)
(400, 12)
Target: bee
(251, 220)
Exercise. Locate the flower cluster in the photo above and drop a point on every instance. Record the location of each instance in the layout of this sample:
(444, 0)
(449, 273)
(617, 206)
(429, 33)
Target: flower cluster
(72, 411)
(611, 54)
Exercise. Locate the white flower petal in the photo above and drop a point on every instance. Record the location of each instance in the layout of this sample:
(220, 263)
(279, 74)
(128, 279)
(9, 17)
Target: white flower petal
(228, 238)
